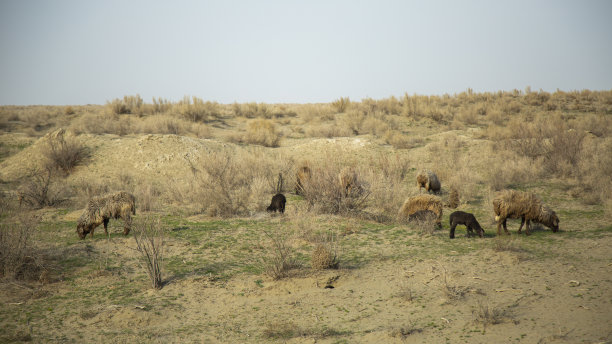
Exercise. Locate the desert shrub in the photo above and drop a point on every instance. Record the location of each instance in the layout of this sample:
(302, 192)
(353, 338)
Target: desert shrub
(162, 124)
(69, 110)
(127, 105)
(402, 141)
(196, 110)
(231, 183)
(324, 193)
(280, 258)
(150, 240)
(325, 254)
(161, 105)
(19, 259)
(341, 104)
(252, 110)
(262, 132)
(64, 153)
(328, 130)
(41, 188)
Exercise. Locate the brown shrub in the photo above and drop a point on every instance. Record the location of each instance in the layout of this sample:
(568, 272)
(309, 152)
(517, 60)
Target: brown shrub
(262, 132)
(19, 259)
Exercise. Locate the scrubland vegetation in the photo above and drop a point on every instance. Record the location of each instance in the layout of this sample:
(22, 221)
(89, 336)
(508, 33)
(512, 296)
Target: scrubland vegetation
(203, 174)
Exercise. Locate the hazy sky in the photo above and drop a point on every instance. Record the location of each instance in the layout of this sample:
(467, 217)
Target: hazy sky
(90, 51)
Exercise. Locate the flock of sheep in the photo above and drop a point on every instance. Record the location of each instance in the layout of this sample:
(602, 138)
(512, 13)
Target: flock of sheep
(506, 204)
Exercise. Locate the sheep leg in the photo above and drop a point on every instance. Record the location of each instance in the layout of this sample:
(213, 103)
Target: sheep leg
(468, 230)
(499, 222)
(528, 230)
(506, 228)
(105, 226)
(522, 223)
(452, 230)
(127, 225)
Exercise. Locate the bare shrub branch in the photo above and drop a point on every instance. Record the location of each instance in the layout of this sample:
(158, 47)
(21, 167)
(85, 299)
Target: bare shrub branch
(150, 240)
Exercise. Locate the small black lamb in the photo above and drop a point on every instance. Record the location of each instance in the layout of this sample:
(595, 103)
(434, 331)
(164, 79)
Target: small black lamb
(278, 203)
(467, 219)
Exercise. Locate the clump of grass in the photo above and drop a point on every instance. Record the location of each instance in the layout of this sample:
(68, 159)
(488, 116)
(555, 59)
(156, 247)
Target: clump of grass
(341, 104)
(262, 132)
(285, 330)
(404, 331)
(127, 105)
(324, 257)
(150, 242)
(506, 243)
(486, 315)
(196, 110)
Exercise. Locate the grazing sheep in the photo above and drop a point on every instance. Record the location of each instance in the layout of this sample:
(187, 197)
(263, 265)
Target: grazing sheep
(422, 202)
(101, 209)
(428, 180)
(302, 176)
(348, 180)
(278, 203)
(467, 219)
(524, 205)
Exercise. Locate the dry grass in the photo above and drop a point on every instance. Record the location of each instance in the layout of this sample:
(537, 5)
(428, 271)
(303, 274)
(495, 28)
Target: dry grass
(19, 258)
(486, 315)
(280, 257)
(262, 132)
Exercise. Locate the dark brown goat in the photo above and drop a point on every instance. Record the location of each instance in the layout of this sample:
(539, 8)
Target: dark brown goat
(467, 219)
(278, 203)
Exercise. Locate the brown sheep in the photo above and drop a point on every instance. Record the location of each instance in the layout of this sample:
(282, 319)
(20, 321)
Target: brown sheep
(101, 209)
(467, 219)
(302, 176)
(422, 202)
(348, 180)
(428, 180)
(524, 205)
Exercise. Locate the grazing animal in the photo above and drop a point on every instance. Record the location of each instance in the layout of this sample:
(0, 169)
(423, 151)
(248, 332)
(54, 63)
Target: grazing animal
(348, 180)
(302, 177)
(278, 203)
(100, 210)
(524, 205)
(428, 180)
(467, 219)
(419, 203)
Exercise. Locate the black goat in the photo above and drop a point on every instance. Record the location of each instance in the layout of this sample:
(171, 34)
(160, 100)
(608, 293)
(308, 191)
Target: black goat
(467, 219)
(278, 203)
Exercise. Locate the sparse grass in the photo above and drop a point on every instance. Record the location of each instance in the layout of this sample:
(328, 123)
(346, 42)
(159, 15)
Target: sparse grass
(486, 315)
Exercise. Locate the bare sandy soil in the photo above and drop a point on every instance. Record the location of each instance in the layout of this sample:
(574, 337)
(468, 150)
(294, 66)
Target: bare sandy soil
(393, 285)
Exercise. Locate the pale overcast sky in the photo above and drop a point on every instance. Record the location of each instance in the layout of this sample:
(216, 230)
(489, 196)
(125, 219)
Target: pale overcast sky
(75, 52)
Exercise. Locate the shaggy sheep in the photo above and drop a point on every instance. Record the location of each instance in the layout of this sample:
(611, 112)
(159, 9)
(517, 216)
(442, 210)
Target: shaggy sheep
(422, 202)
(467, 219)
(524, 205)
(348, 180)
(302, 176)
(101, 209)
(428, 180)
(278, 203)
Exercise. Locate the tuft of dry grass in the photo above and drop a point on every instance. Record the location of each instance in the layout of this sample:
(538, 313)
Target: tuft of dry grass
(486, 315)
(262, 132)
(280, 258)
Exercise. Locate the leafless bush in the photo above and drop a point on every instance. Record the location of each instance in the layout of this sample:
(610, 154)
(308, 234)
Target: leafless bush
(19, 258)
(197, 110)
(280, 258)
(65, 153)
(41, 188)
(232, 183)
(325, 194)
(150, 241)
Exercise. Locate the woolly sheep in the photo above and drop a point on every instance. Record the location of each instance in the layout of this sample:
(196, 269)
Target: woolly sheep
(428, 180)
(524, 205)
(101, 209)
(422, 202)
